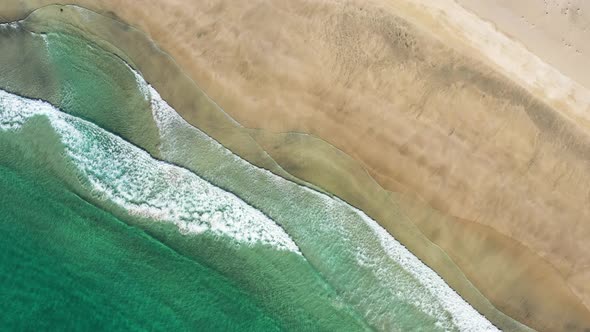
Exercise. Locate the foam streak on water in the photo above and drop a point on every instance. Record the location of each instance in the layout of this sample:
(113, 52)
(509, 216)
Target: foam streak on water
(464, 316)
(127, 176)
(381, 263)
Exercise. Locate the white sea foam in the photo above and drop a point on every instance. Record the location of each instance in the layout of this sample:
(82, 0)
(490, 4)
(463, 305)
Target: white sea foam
(127, 176)
(463, 316)
(45, 39)
(10, 25)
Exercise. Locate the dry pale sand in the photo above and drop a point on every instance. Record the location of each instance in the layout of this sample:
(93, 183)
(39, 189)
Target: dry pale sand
(557, 31)
(484, 144)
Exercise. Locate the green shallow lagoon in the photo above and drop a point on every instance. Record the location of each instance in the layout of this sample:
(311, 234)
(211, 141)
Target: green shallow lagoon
(118, 215)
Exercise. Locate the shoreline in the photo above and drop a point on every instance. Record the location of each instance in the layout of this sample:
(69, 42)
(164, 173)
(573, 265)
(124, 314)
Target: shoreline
(235, 107)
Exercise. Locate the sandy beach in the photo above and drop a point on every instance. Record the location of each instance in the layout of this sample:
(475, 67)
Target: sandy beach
(555, 31)
(472, 118)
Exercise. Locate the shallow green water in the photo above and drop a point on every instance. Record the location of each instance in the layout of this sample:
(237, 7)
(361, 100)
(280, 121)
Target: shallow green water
(69, 265)
(117, 214)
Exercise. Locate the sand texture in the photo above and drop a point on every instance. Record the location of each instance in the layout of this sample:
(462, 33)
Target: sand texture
(478, 132)
(557, 31)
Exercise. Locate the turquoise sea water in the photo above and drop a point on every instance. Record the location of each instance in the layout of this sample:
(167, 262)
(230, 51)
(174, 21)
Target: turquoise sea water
(116, 214)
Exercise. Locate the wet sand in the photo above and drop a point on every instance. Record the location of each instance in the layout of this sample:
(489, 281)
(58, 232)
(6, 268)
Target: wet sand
(491, 170)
